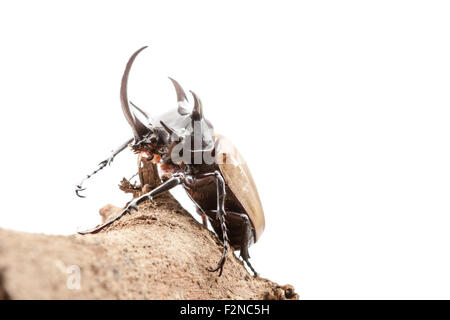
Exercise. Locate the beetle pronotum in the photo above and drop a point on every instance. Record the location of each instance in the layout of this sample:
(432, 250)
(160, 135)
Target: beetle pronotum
(206, 164)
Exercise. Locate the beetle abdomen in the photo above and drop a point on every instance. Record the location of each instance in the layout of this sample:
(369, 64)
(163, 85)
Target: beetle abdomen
(240, 181)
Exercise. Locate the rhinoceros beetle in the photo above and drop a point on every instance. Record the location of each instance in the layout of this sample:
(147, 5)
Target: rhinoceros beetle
(206, 164)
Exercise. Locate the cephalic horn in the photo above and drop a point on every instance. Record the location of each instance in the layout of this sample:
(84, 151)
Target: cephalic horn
(181, 97)
(170, 131)
(139, 128)
(145, 114)
(197, 112)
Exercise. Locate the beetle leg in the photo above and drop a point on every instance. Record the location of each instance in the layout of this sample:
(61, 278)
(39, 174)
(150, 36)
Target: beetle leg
(221, 214)
(247, 235)
(169, 184)
(101, 165)
(244, 237)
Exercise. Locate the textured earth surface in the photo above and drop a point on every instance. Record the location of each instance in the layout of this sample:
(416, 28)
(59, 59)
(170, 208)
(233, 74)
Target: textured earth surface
(159, 252)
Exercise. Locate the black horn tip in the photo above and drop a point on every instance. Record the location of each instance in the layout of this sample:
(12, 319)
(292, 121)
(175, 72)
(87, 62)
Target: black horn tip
(181, 95)
(197, 112)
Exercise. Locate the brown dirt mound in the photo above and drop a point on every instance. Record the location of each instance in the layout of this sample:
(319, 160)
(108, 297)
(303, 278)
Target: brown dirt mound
(159, 252)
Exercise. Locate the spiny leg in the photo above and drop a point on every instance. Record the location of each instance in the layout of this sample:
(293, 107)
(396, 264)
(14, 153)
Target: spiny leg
(134, 175)
(169, 184)
(101, 165)
(244, 237)
(221, 214)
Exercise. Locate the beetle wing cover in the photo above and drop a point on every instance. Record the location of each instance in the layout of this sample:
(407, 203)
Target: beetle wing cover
(239, 179)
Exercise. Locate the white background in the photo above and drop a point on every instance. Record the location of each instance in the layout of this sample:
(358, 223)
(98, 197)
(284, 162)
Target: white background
(340, 108)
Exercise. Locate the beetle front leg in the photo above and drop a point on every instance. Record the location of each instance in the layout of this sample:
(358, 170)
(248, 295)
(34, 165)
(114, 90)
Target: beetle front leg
(174, 181)
(101, 165)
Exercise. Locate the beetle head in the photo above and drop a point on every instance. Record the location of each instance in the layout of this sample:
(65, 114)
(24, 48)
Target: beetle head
(188, 131)
(147, 137)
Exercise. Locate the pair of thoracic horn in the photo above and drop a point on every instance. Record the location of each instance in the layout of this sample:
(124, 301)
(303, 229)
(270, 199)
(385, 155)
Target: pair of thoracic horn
(139, 128)
(197, 112)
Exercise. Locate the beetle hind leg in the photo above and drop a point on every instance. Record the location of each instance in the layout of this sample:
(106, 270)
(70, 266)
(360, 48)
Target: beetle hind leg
(240, 234)
(246, 240)
(246, 258)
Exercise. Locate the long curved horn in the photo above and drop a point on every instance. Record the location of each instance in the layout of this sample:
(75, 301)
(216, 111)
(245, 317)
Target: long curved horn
(197, 112)
(139, 129)
(181, 97)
